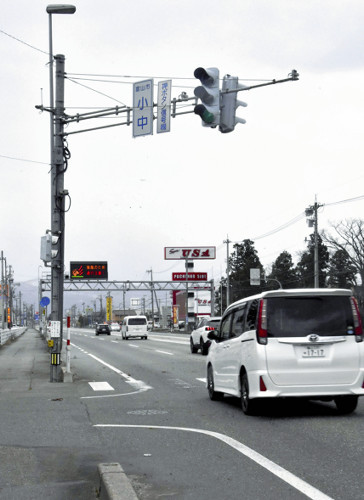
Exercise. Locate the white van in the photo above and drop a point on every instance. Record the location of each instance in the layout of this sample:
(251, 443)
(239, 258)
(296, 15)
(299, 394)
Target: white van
(289, 343)
(134, 326)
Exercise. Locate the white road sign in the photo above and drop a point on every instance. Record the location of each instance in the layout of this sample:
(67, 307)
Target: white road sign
(143, 108)
(190, 253)
(164, 106)
(55, 329)
(255, 277)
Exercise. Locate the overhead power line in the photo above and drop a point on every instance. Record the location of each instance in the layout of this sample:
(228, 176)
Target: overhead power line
(94, 90)
(23, 159)
(157, 77)
(344, 201)
(301, 216)
(24, 43)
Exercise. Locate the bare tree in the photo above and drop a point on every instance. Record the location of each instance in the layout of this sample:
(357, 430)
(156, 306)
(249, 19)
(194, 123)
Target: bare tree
(350, 239)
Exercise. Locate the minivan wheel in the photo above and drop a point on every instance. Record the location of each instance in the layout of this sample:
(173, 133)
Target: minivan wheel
(346, 404)
(214, 396)
(248, 405)
(192, 347)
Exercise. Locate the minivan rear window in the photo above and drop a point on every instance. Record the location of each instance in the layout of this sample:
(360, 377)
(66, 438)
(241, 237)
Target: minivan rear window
(137, 321)
(301, 316)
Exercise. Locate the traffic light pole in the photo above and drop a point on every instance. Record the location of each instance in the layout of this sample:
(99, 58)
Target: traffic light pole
(57, 224)
(293, 76)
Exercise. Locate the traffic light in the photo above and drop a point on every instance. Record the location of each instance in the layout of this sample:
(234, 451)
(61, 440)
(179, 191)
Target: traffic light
(209, 94)
(54, 250)
(48, 247)
(229, 103)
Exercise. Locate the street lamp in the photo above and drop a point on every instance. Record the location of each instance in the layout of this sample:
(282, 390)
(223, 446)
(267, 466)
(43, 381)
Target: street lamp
(57, 227)
(54, 9)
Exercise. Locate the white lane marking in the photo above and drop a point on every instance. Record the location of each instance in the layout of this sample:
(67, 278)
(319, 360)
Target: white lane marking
(114, 341)
(165, 352)
(101, 386)
(277, 470)
(173, 337)
(204, 380)
(136, 384)
(114, 395)
(133, 345)
(182, 342)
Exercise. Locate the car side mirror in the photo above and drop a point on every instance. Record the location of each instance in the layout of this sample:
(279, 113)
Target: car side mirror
(213, 335)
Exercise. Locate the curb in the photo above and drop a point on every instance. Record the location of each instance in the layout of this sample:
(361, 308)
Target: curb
(114, 483)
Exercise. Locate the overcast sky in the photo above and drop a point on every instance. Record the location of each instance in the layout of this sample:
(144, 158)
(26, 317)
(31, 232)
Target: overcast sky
(194, 185)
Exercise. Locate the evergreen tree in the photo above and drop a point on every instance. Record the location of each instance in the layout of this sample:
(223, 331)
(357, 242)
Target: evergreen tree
(284, 271)
(341, 270)
(244, 258)
(306, 267)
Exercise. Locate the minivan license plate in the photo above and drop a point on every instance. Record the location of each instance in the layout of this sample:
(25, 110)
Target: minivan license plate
(313, 352)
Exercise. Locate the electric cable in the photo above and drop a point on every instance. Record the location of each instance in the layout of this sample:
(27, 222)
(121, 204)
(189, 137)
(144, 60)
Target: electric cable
(22, 41)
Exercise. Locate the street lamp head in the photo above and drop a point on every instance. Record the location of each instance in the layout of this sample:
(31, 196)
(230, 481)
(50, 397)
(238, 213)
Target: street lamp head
(61, 9)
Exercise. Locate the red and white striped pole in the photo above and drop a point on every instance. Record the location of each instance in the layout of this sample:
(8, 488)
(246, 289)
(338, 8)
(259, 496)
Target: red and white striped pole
(68, 347)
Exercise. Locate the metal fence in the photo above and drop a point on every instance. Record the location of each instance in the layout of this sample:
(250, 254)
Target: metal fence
(6, 335)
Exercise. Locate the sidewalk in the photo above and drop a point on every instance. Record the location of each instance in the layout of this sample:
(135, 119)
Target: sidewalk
(48, 447)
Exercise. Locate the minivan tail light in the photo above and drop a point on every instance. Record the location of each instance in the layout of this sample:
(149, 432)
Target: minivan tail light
(262, 386)
(262, 334)
(358, 327)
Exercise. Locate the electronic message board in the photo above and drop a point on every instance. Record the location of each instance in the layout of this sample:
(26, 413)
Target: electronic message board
(88, 270)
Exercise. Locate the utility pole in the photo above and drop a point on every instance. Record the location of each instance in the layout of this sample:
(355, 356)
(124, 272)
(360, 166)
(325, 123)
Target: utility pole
(10, 291)
(152, 290)
(20, 310)
(186, 302)
(316, 258)
(2, 291)
(227, 241)
(6, 287)
(312, 219)
(58, 224)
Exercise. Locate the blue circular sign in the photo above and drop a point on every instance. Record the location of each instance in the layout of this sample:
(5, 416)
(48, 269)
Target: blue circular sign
(45, 302)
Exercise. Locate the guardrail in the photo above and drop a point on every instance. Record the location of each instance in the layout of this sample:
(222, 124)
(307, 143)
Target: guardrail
(6, 335)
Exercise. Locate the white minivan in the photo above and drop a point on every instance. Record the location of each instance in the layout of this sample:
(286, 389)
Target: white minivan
(134, 326)
(289, 343)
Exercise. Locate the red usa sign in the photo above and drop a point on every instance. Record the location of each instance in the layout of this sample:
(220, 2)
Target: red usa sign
(179, 253)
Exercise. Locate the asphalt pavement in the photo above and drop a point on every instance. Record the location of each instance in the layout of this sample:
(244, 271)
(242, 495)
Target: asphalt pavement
(48, 446)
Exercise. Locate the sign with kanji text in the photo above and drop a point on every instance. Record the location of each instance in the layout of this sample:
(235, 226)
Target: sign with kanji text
(55, 329)
(164, 106)
(143, 108)
(88, 270)
(190, 253)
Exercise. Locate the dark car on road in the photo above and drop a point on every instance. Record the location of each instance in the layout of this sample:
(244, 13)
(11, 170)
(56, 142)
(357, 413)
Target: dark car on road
(103, 328)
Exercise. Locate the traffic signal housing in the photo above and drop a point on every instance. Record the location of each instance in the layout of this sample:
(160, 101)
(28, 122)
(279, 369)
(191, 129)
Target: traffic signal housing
(209, 94)
(229, 103)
